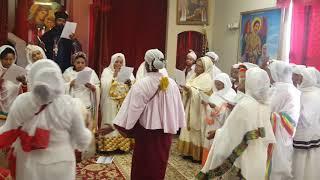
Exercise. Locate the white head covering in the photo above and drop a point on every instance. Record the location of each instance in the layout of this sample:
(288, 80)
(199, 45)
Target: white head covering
(42, 75)
(192, 55)
(207, 64)
(315, 73)
(213, 56)
(2, 48)
(32, 48)
(257, 84)
(296, 69)
(281, 71)
(154, 57)
(308, 79)
(114, 59)
(227, 92)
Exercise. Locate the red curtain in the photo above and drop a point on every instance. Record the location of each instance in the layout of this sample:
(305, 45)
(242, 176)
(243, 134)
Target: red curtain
(188, 40)
(130, 27)
(3, 21)
(21, 22)
(305, 36)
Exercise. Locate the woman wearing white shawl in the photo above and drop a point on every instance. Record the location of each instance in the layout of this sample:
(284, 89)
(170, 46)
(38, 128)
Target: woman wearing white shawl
(190, 60)
(44, 128)
(217, 110)
(34, 53)
(285, 108)
(306, 156)
(151, 113)
(296, 74)
(89, 93)
(110, 105)
(214, 58)
(240, 147)
(191, 137)
(316, 74)
(8, 90)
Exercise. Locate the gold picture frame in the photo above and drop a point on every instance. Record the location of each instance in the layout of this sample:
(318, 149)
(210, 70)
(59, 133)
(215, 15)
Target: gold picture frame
(192, 12)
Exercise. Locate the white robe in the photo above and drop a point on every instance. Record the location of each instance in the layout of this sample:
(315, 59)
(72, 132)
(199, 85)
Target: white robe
(247, 115)
(286, 98)
(89, 99)
(190, 73)
(109, 108)
(67, 133)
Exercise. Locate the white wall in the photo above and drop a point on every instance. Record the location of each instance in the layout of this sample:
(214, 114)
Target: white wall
(225, 42)
(173, 30)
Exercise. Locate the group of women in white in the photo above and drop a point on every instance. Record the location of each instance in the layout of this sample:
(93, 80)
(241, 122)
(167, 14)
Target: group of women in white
(258, 123)
(28, 111)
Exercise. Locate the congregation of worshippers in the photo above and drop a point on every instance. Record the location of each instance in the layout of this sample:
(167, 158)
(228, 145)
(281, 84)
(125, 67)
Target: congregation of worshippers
(255, 121)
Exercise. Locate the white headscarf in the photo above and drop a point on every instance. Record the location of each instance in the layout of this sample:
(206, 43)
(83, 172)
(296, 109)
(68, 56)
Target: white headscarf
(227, 92)
(192, 55)
(248, 65)
(281, 71)
(296, 69)
(309, 80)
(4, 47)
(42, 75)
(315, 73)
(32, 48)
(156, 58)
(114, 59)
(257, 84)
(213, 56)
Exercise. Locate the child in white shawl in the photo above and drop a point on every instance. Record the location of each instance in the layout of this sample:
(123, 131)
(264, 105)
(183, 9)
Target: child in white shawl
(34, 53)
(217, 109)
(239, 147)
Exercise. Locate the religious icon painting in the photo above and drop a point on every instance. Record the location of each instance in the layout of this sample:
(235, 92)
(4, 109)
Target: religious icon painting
(41, 17)
(192, 12)
(260, 34)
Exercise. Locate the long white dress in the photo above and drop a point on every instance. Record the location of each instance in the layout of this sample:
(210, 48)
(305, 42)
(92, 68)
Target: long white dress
(109, 107)
(239, 148)
(89, 99)
(285, 104)
(8, 92)
(306, 156)
(45, 128)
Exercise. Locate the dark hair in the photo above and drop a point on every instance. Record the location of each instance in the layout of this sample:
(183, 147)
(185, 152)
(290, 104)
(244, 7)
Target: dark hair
(5, 52)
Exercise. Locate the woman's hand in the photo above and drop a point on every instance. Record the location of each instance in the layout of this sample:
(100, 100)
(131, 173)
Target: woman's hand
(22, 79)
(128, 82)
(72, 83)
(116, 71)
(91, 87)
(211, 135)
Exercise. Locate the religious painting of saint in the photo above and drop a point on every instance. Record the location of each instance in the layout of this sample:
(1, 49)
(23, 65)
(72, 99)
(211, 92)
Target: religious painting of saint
(260, 35)
(41, 14)
(193, 12)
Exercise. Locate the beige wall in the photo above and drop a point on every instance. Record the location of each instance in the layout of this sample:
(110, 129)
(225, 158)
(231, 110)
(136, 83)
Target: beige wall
(173, 30)
(225, 42)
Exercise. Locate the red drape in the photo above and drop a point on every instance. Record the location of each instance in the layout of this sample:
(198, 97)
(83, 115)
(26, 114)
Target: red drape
(3, 21)
(188, 40)
(305, 36)
(130, 27)
(21, 22)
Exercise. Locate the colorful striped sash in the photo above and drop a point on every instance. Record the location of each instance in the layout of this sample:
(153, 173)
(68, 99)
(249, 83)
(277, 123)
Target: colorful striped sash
(288, 123)
(237, 152)
(271, 146)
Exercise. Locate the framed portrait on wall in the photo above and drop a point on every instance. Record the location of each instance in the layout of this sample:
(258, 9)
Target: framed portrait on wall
(192, 12)
(260, 34)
